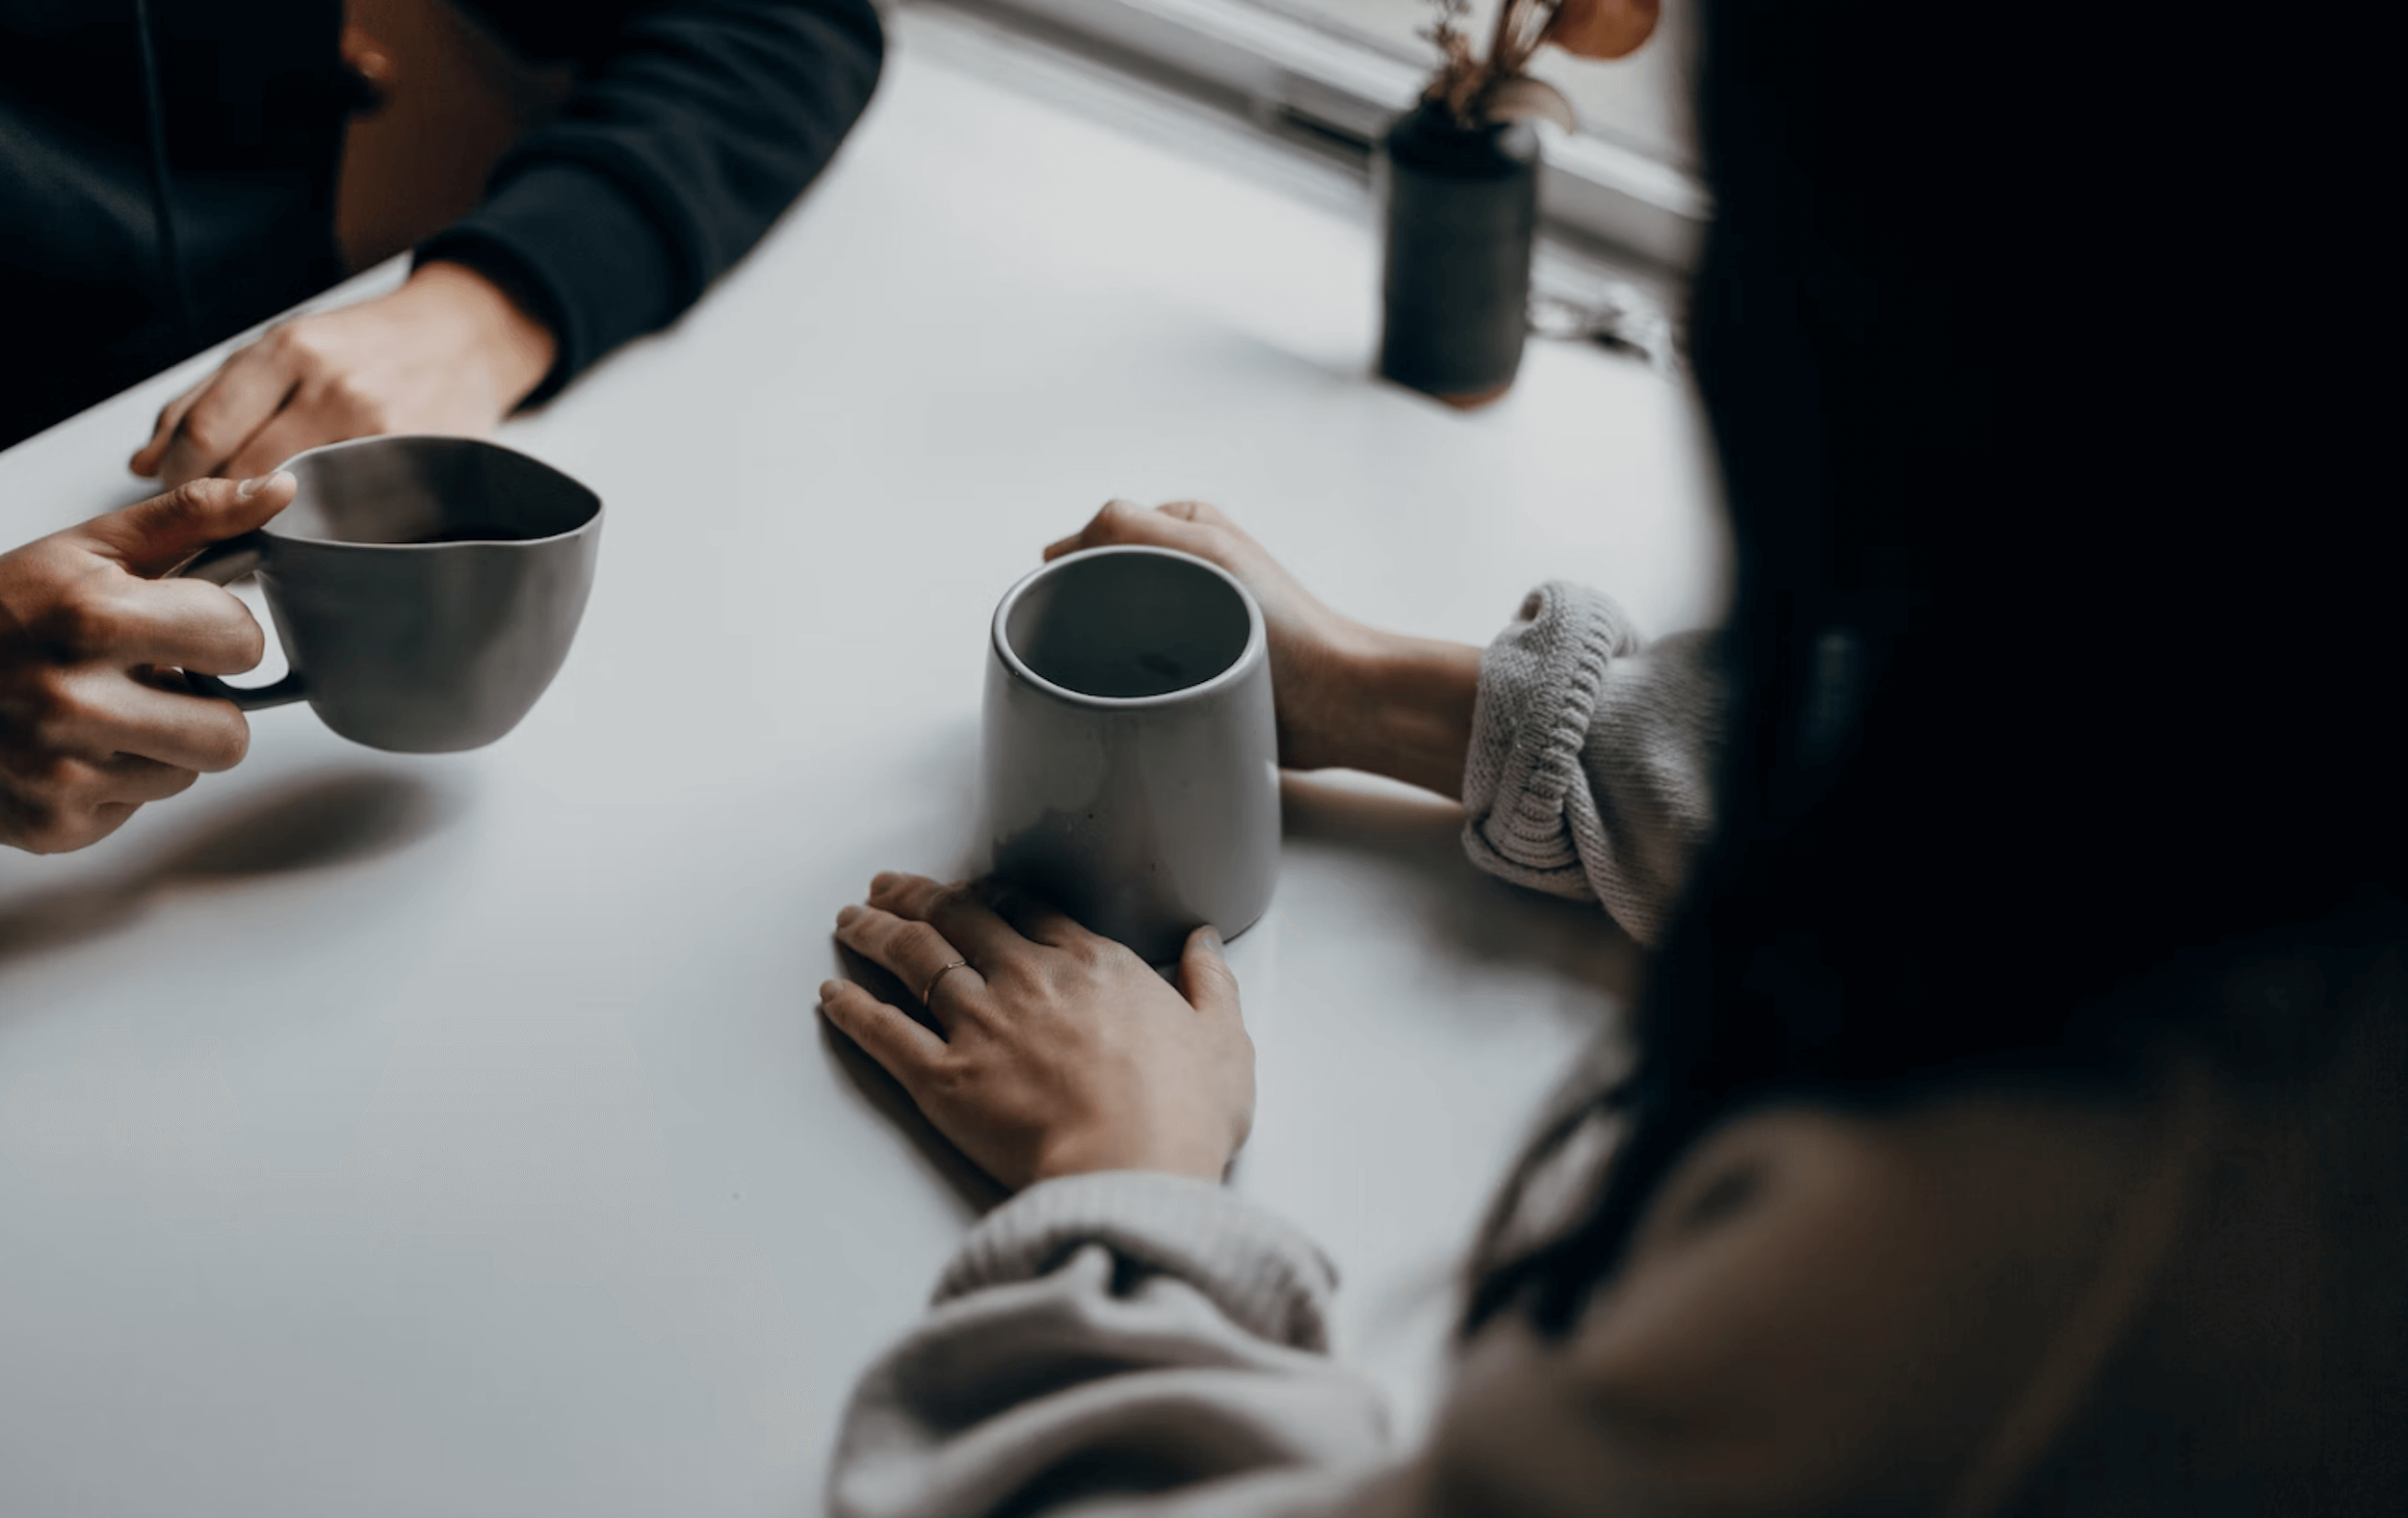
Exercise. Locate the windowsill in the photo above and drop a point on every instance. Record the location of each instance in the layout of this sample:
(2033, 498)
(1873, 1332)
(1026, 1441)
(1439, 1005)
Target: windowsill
(1231, 102)
(1274, 67)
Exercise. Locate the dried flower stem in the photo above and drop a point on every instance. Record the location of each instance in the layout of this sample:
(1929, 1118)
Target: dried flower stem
(1465, 80)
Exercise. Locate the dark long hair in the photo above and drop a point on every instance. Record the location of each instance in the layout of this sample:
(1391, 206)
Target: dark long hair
(2067, 637)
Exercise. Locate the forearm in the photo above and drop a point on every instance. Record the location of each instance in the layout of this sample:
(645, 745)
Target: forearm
(1582, 754)
(1401, 708)
(692, 127)
(514, 348)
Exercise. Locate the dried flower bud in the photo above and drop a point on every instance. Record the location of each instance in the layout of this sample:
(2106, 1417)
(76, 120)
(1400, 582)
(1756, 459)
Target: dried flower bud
(1600, 28)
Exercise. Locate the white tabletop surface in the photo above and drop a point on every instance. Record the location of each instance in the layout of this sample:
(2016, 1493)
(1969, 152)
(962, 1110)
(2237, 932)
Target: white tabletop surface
(405, 1136)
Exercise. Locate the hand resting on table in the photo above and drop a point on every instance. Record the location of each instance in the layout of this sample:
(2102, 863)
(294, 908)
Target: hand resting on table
(1061, 1052)
(448, 353)
(95, 717)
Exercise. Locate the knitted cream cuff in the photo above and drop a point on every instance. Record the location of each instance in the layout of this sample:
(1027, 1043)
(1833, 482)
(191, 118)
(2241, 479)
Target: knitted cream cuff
(1539, 689)
(1270, 1279)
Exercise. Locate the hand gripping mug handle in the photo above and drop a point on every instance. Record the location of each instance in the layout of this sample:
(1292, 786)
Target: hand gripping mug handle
(224, 563)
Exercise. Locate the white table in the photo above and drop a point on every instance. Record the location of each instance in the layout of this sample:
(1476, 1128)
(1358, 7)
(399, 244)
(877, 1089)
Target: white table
(391, 1135)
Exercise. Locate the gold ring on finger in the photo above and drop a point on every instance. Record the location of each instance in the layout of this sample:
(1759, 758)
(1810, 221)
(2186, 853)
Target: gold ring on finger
(929, 989)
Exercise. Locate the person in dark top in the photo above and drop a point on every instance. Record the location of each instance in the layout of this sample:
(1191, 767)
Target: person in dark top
(167, 176)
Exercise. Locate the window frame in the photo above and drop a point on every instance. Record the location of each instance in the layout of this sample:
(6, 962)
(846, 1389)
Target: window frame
(1285, 71)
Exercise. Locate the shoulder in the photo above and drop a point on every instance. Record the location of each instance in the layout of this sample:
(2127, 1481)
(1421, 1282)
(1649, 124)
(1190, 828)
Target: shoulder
(1819, 1307)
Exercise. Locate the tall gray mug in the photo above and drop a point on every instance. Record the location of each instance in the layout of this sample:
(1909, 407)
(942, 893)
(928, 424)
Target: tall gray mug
(1130, 768)
(425, 590)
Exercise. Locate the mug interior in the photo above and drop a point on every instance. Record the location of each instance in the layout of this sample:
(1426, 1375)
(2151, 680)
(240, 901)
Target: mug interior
(393, 490)
(1121, 625)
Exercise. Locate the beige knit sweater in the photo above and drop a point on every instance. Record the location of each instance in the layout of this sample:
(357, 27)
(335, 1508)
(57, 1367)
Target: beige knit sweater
(1591, 764)
(2004, 1298)
(1107, 1333)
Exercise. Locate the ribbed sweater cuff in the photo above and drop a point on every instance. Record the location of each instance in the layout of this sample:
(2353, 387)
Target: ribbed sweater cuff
(1267, 1276)
(1538, 690)
(588, 260)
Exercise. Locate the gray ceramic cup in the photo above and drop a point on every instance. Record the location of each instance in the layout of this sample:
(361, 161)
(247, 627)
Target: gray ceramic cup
(1131, 770)
(425, 590)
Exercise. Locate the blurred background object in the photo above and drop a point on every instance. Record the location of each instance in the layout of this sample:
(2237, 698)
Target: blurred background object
(1458, 179)
(1639, 101)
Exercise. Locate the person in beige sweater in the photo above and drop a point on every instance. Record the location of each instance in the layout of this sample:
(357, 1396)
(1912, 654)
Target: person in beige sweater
(2016, 1119)
(1894, 1297)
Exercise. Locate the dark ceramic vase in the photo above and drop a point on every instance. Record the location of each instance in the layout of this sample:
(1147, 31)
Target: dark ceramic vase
(1462, 207)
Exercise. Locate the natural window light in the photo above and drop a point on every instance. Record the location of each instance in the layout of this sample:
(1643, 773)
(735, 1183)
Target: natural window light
(1640, 102)
(1627, 182)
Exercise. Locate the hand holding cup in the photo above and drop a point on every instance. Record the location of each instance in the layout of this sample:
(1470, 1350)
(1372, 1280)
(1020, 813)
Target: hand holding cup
(1129, 767)
(1312, 647)
(425, 590)
(95, 718)
(1344, 695)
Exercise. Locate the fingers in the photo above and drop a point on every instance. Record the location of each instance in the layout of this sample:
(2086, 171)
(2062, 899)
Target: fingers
(297, 429)
(132, 779)
(1087, 536)
(46, 830)
(1205, 978)
(915, 953)
(902, 1047)
(146, 458)
(1118, 521)
(71, 803)
(955, 911)
(180, 728)
(1185, 525)
(1202, 512)
(239, 400)
(152, 536)
(1038, 922)
(185, 625)
(107, 714)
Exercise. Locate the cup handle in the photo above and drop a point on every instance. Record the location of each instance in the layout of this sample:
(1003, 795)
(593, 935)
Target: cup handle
(224, 563)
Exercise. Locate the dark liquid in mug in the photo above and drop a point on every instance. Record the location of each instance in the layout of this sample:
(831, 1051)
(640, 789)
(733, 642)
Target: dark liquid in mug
(476, 534)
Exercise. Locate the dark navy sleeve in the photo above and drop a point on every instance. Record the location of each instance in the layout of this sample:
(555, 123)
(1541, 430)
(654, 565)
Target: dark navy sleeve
(692, 126)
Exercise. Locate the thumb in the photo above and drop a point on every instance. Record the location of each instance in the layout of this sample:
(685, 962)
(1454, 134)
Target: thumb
(1205, 978)
(152, 536)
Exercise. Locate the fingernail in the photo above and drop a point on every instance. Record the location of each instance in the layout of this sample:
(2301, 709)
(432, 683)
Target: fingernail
(845, 917)
(252, 487)
(881, 881)
(1212, 939)
(828, 988)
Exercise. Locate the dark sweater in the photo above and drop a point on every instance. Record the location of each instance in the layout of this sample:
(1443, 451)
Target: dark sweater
(692, 124)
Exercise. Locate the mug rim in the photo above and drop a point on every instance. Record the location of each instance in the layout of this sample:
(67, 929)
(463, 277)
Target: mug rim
(1255, 651)
(270, 528)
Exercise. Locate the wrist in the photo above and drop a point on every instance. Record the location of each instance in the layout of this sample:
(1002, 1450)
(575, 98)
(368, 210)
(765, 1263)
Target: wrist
(1081, 1156)
(515, 349)
(1402, 708)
